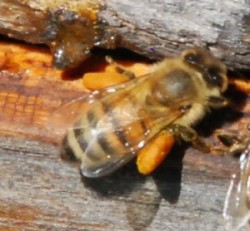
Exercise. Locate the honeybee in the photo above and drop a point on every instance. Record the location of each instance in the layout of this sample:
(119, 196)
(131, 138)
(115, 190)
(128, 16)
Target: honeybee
(236, 210)
(119, 121)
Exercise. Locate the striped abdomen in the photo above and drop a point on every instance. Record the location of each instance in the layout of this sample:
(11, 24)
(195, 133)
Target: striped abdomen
(107, 136)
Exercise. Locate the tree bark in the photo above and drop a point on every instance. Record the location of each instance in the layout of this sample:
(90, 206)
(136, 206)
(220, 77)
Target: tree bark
(152, 28)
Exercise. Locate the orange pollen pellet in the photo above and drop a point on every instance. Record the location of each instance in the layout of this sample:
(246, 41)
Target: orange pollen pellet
(151, 156)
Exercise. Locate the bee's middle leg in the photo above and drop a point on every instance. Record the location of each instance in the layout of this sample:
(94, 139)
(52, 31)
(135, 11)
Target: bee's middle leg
(190, 135)
(120, 69)
(233, 142)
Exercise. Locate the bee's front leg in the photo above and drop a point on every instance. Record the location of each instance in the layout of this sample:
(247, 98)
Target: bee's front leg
(119, 68)
(234, 143)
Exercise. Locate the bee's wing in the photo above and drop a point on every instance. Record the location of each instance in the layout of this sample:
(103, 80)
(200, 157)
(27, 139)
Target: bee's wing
(67, 114)
(236, 207)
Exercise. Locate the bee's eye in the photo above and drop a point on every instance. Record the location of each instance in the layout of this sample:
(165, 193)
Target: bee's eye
(192, 58)
(215, 77)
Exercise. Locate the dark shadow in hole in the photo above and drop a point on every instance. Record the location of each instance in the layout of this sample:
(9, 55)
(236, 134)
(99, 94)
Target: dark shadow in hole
(239, 73)
(41, 47)
(237, 98)
(121, 53)
(217, 118)
(91, 64)
(97, 62)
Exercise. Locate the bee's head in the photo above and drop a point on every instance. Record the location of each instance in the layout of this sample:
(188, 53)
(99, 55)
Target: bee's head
(213, 70)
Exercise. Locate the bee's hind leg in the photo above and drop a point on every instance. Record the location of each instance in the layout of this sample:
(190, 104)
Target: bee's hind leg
(119, 68)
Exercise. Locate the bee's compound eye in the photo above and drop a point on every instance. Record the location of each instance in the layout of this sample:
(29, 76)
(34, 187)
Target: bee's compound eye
(215, 77)
(192, 58)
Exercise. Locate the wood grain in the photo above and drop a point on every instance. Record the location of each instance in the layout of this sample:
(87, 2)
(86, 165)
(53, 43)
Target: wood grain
(39, 192)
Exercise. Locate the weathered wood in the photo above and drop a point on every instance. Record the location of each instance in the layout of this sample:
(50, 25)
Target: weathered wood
(39, 192)
(152, 28)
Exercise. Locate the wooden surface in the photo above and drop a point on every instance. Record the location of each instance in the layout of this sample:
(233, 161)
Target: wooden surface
(152, 28)
(39, 192)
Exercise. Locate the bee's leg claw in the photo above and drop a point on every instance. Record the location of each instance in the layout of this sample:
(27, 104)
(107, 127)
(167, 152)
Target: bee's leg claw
(201, 145)
(120, 69)
(218, 151)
